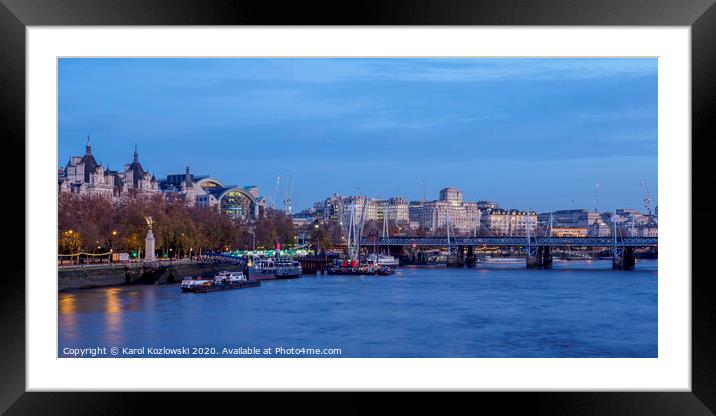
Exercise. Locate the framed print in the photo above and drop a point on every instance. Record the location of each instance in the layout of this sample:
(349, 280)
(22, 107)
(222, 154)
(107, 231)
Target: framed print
(403, 198)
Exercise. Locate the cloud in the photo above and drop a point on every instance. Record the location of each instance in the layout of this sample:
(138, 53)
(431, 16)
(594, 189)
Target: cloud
(395, 123)
(321, 70)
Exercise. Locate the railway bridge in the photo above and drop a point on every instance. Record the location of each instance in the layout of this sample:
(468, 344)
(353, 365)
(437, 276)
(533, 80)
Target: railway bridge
(537, 249)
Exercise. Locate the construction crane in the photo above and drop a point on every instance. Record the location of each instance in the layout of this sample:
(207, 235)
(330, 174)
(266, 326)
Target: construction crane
(647, 200)
(275, 193)
(287, 196)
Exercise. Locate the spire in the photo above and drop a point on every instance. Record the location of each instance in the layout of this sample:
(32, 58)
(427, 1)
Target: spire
(136, 154)
(88, 147)
(187, 178)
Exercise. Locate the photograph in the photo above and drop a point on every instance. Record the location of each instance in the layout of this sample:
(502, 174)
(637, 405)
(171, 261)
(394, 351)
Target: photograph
(357, 207)
(387, 197)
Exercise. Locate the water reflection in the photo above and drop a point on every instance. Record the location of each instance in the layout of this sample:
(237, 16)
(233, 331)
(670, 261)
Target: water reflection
(113, 314)
(68, 315)
(579, 309)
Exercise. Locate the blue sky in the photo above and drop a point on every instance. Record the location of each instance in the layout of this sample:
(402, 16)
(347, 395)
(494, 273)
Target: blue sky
(528, 133)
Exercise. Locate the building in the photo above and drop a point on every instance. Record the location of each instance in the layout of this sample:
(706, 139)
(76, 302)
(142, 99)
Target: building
(135, 180)
(179, 186)
(328, 209)
(238, 202)
(569, 232)
(647, 230)
(485, 205)
(336, 206)
(452, 195)
(625, 215)
(593, 221)
(393, 209)
(463, 217)
(83, 175)
(365, 208)
(512, 222)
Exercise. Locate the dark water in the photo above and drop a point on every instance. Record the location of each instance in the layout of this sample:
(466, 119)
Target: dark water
(578, 309)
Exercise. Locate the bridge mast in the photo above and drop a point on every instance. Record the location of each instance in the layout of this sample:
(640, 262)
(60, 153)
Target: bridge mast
(447, 229)
(529, 236)
(615, 249)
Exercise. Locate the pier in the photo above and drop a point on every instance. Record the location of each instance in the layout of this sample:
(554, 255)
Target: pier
(313, 264)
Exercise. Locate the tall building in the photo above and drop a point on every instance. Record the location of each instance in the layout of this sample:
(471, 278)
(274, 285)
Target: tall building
(452, 195)
(463, 217)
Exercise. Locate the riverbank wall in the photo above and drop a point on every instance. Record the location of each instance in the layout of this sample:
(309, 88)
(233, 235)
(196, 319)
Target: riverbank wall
(89, 276)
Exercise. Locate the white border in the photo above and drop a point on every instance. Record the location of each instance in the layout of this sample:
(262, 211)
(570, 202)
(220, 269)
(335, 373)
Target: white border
(671, 371)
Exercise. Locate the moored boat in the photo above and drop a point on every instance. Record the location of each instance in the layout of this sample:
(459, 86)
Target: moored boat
(353, 268)
(383, 260)
(222, 281)
(275, 268)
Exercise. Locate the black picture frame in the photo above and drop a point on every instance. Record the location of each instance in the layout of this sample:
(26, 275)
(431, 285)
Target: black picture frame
(16, 15)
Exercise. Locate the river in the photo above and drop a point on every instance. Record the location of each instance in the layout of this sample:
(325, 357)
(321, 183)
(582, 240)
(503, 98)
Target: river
(577, 309)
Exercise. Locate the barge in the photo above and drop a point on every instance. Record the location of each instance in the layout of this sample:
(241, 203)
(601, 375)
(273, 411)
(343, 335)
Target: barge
(353, 268)
(222, 281)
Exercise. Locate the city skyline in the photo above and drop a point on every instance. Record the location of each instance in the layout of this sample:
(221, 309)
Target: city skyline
(374, 126)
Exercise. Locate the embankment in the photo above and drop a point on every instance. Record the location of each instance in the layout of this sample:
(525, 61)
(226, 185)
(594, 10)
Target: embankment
(81, 277)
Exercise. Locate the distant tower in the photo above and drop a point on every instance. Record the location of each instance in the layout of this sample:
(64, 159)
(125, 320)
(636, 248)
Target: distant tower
(88, 147)
(596, 197)
(187, 178)
(136, 154)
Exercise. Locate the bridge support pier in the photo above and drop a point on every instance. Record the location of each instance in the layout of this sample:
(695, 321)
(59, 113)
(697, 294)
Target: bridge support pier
(625, 261)
(457, 259)
(471, 259)
(546, 257)
(395, 251)
(541, 258)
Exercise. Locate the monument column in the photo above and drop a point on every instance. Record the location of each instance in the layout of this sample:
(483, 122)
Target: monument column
(149, 242)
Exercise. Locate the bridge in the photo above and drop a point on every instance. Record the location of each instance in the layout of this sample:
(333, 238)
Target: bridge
(538, 249)
(606, 242)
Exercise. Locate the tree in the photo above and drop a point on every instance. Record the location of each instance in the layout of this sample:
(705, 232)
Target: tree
(69, 242)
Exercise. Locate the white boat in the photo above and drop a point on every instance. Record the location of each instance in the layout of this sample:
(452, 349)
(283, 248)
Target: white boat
(383, 260)
(275, 268)
(229, 277)
(189, 285)
(222, 281)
